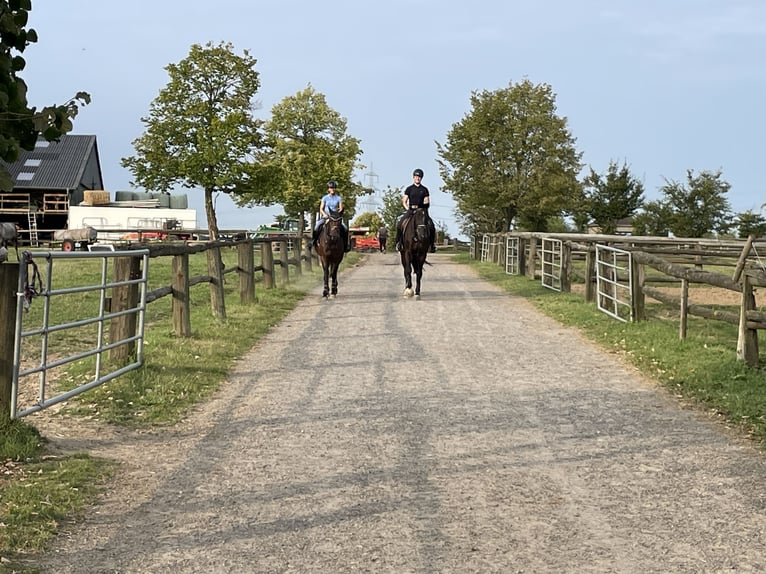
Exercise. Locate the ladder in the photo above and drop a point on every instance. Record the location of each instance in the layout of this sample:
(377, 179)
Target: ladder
(33, 240)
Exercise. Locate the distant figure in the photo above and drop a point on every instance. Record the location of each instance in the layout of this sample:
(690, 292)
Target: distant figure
(382, 238)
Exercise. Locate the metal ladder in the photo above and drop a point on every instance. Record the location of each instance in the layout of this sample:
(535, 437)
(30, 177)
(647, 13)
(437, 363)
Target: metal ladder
(33, 239)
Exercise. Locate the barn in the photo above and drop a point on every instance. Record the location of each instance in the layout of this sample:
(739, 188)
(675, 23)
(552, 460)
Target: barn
(47, 180)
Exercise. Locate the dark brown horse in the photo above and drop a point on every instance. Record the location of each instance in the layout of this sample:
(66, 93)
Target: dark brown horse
(331, 250)
(416, 241)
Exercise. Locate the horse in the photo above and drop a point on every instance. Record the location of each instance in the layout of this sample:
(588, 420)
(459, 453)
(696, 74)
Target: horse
(416, 242)
(331, 250)
(9, 235)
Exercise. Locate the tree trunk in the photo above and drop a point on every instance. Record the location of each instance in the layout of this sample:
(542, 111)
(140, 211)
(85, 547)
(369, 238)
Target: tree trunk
(212, 222)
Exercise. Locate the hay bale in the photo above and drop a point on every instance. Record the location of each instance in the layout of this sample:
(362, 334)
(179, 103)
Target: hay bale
(96, 197)
(124, 196)
(179, 201)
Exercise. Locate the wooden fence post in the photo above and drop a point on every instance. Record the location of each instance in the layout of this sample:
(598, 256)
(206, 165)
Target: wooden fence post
(9, 283)
(566, 267)
(246, 271)
(181, 302)
(590, 275)
(307, 252)
(285, 261)
(637, 296)
(684, 318)
(522, 256)
(267, 262)
(215, 270)
(124, 297)
(532, 259)
(297, 248)
(747, 340)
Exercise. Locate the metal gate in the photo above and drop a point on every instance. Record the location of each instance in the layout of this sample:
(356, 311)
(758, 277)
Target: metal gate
(484, 247)
(551, 263)
(512, 255)
(60, 343)
(614, 282)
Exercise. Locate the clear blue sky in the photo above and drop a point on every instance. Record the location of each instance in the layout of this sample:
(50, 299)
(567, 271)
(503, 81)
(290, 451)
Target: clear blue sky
(663, 85)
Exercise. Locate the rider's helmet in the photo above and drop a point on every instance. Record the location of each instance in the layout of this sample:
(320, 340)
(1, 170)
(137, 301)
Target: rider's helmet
(332, 184)
(418, 172)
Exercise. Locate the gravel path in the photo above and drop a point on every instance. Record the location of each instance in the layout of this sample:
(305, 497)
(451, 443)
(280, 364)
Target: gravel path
(460, 433)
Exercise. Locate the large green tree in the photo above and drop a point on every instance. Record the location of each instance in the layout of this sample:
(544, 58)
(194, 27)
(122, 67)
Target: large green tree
(612, 196)
(308, 144)
(392, 208)
(655, 218)
(699, 208)
(20, 124)
(201, 131)
(750, 223)
(510, 159)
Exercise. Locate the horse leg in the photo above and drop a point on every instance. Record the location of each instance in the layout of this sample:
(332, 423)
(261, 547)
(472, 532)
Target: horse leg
(326, 272)
(418, 266)
(334, 280)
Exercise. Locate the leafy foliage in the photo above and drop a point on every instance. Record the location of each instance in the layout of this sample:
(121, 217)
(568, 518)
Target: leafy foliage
(201, 131)
(700, 207)
(392, 208)
(750, 223)
(613, 196)
(307, 145)
(654, 219)
(20, 125)
(369, 219)
(511, 159)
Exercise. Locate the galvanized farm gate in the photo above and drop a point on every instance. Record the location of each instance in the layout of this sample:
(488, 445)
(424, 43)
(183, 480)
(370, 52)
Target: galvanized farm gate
(38, 286)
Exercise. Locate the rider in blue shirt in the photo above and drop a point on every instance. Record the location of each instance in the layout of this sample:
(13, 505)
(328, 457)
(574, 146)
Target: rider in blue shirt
(331, 203)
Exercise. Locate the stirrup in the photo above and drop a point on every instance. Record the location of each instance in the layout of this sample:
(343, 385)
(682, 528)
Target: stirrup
(433, 249)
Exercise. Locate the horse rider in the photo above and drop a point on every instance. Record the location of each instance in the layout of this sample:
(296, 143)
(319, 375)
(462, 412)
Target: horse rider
(416, 195)
(332, 202)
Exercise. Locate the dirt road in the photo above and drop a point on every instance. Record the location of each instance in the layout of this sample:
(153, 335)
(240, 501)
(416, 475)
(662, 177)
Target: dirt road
(460, 433)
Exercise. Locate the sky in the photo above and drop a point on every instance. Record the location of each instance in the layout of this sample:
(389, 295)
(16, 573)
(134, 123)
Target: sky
(662, 86)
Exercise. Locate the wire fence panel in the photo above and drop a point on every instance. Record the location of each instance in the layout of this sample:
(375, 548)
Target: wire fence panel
(614, 282)
(550, 273)
(48, 338)
(512, 255)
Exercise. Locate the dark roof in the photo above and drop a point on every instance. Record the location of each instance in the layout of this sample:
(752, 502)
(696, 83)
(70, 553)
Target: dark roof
(53, 165)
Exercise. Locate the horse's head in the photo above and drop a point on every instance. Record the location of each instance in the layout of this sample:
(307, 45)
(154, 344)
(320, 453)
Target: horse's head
(420, 221)
(333, 225)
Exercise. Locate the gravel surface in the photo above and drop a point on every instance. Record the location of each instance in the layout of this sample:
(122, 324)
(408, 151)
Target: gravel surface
(461, 433)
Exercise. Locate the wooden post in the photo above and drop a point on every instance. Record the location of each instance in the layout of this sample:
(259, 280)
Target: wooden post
(684, 323)
(637, 296)
(297, 249)
(181, 304)
(742, 258)
(267, 262)
(590, 275)
(566, 267)
(747, 340)
(522, 256)
(285, 260)
(246, 267)
(532, 259)
(307, 252)
(9, 283)
(215, 270)
(124, 297)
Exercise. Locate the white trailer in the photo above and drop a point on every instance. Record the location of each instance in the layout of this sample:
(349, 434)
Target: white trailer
(113, 222)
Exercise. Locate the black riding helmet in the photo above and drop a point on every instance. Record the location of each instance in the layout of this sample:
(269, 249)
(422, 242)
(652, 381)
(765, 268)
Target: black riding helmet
(332, 184)
(418, 172)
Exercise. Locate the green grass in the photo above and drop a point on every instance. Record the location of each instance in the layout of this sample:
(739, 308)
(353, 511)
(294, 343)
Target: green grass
(702, 368)
(178, 374)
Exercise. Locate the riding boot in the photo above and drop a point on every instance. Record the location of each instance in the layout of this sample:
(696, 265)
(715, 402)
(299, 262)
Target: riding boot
(398, 238)
(346, 243)
(314, 237)
(432, 229)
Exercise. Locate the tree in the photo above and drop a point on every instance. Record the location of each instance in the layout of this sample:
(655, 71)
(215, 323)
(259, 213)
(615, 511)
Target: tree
(750, 223)
(613, 196)
(655, 219)
(308, 145)
(200, 131)
(21, 125)
(369, 219)
(700, 207)
(392, 208)
(511, 158)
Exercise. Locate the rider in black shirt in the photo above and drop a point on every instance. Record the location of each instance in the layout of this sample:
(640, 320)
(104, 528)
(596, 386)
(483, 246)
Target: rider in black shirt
(416, 195)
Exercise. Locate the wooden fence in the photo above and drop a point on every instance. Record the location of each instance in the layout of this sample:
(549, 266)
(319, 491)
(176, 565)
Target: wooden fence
(679, 261)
